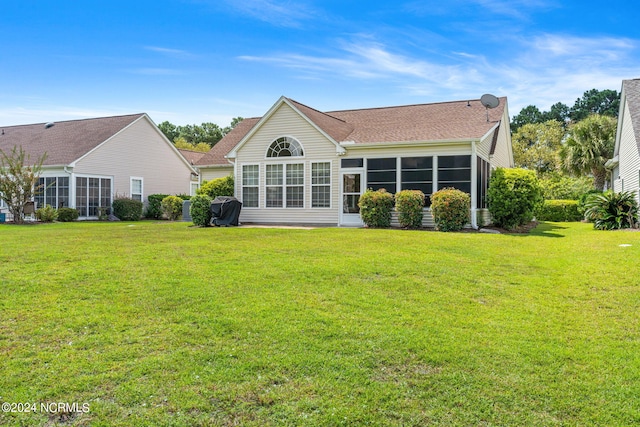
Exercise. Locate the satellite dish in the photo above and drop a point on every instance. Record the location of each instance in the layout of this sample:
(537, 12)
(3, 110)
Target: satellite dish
(49, 125)
(489, 101)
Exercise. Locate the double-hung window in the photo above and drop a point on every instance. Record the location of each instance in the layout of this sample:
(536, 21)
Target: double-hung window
(284, 184)
(136, 189)
(321, 185)
(295, 185)
(250, 189)
(273, 185)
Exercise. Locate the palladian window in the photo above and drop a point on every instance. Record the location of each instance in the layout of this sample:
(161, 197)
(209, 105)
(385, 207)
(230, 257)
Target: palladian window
(285, 147)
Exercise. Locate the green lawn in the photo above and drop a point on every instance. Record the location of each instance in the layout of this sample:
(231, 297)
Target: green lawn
(162, 324)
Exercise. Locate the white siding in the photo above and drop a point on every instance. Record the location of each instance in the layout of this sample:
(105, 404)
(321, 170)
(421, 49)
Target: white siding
(317, 148)
(629, 166)
(138, 151)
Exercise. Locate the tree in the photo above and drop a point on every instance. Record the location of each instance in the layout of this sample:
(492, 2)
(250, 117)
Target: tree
(169, 130)
(589, 145)
(529, 114)
(19, 180)
(536, 145)
(182, 143)
(605, 102)
(559, 112)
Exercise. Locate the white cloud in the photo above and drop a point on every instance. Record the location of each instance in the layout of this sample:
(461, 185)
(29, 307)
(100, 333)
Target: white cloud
(278, 13)
(174, 53)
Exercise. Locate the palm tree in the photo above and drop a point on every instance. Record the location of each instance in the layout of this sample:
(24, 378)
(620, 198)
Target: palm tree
(589, 145)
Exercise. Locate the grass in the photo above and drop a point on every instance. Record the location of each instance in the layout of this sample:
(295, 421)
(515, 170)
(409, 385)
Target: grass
(162, 324)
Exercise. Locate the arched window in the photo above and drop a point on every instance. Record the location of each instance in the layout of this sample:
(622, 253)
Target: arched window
(285, 147)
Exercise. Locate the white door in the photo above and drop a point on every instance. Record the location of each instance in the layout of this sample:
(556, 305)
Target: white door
(351, 188)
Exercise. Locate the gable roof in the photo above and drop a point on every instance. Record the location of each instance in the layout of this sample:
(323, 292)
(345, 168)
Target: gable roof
(66, 141)
(215, 156)
(437, 122)
(631, 89)
(191, 156)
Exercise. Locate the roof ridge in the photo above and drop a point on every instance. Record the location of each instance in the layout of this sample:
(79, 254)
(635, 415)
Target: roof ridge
(409, 105)
(316, 110)
(76, 120)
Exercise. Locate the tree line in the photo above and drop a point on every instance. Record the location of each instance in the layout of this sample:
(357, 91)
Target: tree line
(568, 147)
(196, 137)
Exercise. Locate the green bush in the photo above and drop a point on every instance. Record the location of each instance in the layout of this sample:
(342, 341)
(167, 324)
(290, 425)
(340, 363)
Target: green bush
(409, 205)
(450, 209)
(513, 196)
(172, 207)
(584, 200)
(561, 187)
(127, 209)
(46, 214)
(154, 207)
(217, 187)
(559, 211)
(200, 210)
(375, 208)
(612, 211)
(67, 214)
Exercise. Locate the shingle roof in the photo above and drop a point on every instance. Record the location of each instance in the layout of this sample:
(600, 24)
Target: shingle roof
(445, 121)
(216, 155)
(191, 156)
(65, 141)
(631, 89)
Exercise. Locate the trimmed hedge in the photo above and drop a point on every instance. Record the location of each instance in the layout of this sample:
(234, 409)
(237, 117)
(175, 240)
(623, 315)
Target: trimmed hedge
(172, 207)
(513, 197)
(218, 187)
(67, 214)
(409, 205)
(450, 208)
(46, 214)
(559, 211)
(200, 210)
(375, 208)
(127, 209)
(154, 207)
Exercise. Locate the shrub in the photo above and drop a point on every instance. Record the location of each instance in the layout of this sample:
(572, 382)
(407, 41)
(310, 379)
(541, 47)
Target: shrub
(409, 204)
(513, 196)
(67, 214)
(218, 187)
(561, 187)
(154, 207)
(584, 200)
(375, 208)
(450, 209)
(172, 207)
(611, 211)
(46, 214)
(200, 210)
(559, 211)
(127, 209)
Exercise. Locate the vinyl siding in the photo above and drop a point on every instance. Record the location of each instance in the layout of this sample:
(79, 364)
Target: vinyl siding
(629, 166)
(317, 148)
(138, 151)
(503, 155)
(207, 174)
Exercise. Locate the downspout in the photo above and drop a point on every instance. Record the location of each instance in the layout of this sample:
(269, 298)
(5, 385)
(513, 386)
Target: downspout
(474, 185)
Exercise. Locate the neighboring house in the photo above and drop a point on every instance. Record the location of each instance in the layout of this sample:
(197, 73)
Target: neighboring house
(192, 157)
(299, 165)
(90, 162)
(625, 165)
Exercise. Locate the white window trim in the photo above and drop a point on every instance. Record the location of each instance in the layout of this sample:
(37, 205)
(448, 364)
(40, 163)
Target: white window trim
(271, 159)
(131, 193)
(74, 187)
(311, 184)
(294, 161)
(256, 186)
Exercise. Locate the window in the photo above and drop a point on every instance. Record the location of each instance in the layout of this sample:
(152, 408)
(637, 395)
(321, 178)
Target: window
(273, 185)
(455, 171)
(285, 147)
(136, 189)
(417, 174)
(92, 194)
(194, 188)
(483, 172)
(321, 185)
(284, 183)
(381, 173)
(295, 185)
(351, 163)
(250, 182)
(53, 191)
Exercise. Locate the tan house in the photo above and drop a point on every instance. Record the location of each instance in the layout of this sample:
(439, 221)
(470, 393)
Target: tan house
(297, 165)
(625, 165)
(91, 161)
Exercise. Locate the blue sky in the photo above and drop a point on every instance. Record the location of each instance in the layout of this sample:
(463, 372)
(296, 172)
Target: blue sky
(194, 61)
